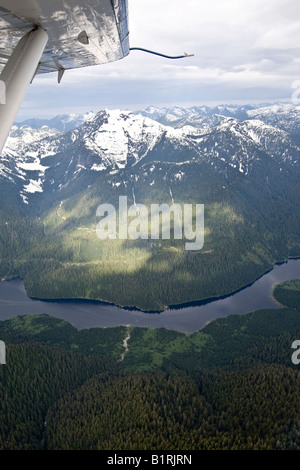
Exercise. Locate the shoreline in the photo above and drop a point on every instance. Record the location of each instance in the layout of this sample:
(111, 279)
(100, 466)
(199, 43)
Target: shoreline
(192, 303)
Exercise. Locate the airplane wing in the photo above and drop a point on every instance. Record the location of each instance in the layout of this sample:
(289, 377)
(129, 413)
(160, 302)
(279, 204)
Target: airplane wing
(81, 32)
(40, 36)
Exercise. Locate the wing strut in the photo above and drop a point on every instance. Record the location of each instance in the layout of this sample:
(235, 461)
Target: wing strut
(17, 75)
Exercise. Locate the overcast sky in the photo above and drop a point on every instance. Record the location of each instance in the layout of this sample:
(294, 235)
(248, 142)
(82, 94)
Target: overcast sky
(245, 50)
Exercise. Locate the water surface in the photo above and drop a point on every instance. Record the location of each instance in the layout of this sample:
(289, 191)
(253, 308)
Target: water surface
(86, 314)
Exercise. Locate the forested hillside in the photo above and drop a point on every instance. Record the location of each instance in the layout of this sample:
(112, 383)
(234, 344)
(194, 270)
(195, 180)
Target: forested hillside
(231, 385)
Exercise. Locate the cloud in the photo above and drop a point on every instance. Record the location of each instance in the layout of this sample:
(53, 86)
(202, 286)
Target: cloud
(238, 46)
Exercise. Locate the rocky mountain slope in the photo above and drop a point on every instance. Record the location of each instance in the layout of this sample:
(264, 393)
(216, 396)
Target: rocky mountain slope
(46, 159)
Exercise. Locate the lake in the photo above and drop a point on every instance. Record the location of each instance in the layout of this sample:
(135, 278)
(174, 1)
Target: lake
(87, 314)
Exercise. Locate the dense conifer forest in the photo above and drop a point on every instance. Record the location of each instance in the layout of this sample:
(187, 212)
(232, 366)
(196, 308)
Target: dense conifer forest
(229, 386)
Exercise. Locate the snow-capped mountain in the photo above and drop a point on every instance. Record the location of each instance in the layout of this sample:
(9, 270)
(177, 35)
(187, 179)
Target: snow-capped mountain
(20, 162)
(119, 138)
(283, 116)
(47, 160)
(242, 144)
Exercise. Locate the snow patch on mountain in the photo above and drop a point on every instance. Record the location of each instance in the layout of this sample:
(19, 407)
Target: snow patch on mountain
(20, 160)
(21, 137)
(32, 166)
(34, 186)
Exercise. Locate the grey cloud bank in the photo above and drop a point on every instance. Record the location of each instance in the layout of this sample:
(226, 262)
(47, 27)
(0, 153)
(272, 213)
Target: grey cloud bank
(244, 51)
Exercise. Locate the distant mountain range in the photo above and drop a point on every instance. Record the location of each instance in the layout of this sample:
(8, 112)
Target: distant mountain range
(284, 116)
(47, 155)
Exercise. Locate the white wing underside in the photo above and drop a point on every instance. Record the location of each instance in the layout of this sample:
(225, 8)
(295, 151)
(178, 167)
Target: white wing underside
(102, 25)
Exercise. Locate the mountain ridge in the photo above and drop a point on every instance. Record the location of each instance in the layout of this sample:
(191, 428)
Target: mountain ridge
(112, 140)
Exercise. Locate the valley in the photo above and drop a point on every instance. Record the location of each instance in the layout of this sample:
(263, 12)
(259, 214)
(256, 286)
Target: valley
(242, 165)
